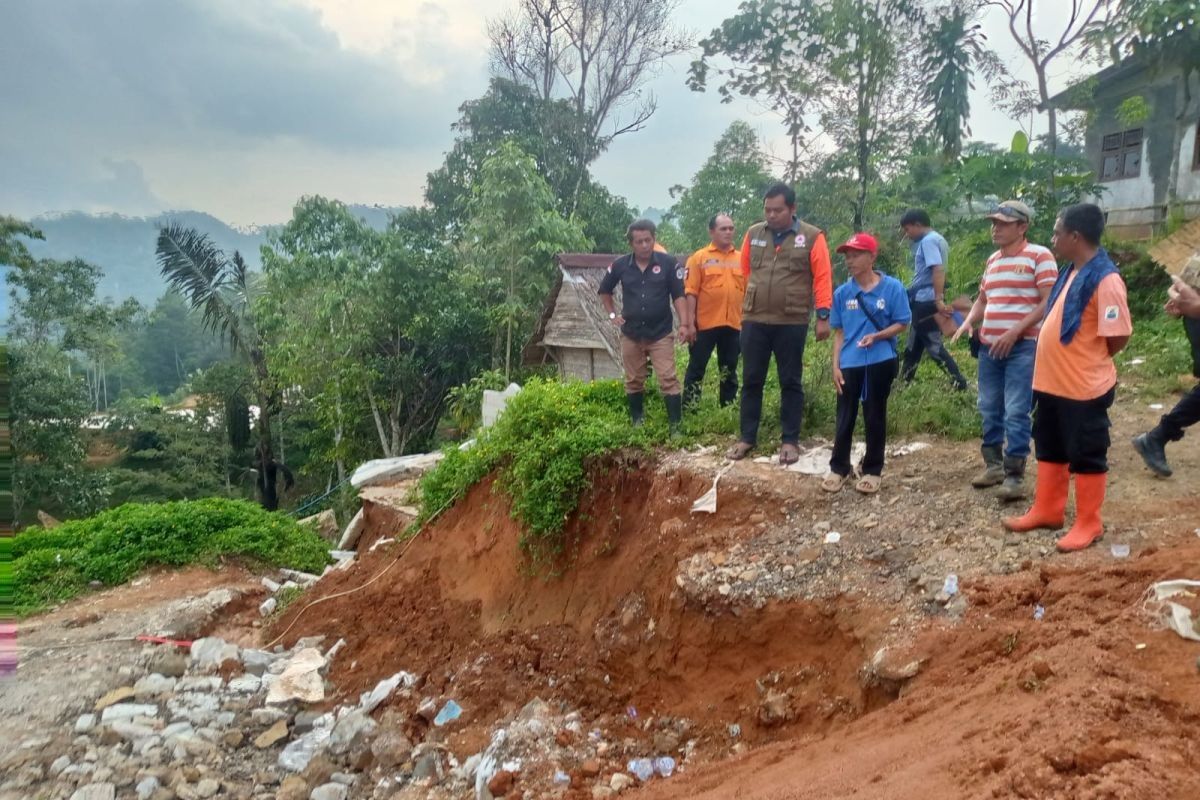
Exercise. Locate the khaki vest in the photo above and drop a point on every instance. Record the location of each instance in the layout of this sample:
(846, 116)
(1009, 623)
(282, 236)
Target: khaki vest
(779, 291)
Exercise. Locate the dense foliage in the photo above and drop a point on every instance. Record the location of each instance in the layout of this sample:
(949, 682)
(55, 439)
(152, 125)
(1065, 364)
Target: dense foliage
(54, 565)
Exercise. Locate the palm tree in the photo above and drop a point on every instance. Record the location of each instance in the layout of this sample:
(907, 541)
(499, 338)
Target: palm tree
(948, 60)
(219, 287)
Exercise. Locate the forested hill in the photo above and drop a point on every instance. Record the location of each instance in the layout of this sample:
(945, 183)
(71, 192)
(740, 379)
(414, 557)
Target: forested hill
(123, 247)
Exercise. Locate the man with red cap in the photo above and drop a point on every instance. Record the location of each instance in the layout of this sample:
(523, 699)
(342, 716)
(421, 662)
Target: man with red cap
(869, 311)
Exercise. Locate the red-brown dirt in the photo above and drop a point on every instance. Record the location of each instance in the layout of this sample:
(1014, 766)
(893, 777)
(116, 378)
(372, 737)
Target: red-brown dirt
(1003, 706)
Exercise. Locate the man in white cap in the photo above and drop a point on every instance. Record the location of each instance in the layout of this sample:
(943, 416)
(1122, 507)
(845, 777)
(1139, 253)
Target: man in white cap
(1011, 303)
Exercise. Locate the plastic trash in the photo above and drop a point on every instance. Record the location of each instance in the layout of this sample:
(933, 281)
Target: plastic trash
(707, 502)
(950, 587)
(1157, 604)
(642, 769)
(664, 766)
(1039, 612)
(1156, 406)
(450, 712)
(631, 712)
(1120, 551)
(735, 731)
(561, 778)
(833, 537)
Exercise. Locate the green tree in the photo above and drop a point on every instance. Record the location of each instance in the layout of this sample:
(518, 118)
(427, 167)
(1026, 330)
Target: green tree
(849, 63)
(732, 180)
(170, 345)
(547, 129)
(220, 288)
(510, 245)
(950, 54)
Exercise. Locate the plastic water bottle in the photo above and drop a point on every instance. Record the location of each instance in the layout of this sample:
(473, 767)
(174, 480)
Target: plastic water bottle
(561, 778)
(664, 766)
(1120, 551)
(950, 587)
(642, 768)
(1039, 612)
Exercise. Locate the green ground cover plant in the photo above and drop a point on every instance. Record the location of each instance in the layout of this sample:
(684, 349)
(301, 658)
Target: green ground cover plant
(50, 566)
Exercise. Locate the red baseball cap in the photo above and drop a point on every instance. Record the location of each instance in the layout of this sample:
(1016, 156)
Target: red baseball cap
(861, 241)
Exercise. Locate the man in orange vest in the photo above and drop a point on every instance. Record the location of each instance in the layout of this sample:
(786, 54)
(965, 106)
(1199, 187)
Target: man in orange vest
(715, 289)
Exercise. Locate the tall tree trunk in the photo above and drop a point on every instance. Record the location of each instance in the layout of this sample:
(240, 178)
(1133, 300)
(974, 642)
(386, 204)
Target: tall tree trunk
(379, 429)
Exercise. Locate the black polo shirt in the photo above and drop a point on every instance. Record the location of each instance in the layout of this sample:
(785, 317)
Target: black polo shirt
(646, 294)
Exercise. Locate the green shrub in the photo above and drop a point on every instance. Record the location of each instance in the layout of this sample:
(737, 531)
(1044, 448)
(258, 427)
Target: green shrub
(114, 545)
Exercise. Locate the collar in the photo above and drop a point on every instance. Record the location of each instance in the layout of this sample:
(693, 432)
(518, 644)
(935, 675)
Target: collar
(712, 248)
(793, 228)
(1024, 243)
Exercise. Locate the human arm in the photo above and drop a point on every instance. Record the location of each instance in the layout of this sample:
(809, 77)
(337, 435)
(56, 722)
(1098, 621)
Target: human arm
(838, 380)
(1112, 313)
(609, 282)
(891, 331)
(822, 282)
(607, 301)
(974, 316)
(691, 286)
(746, 255)
(1004, 345)
(1185, 300)
(679, 299)
(687, 333)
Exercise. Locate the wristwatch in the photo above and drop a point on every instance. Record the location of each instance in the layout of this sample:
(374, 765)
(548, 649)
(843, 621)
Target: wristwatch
(612, 315)
(823, 313)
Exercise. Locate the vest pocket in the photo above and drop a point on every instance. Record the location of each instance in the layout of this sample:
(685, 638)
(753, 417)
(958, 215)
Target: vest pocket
(748, 302)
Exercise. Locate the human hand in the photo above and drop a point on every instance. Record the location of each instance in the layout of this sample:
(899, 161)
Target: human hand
(687, 334)
(943, 309)
(838, 380)
(1186, 299)
(822, 330)
(965, 328)
(1004, 345)
(868, 340)
(618, 320)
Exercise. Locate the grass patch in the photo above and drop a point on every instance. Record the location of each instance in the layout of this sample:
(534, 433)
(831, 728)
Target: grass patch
(113, 546)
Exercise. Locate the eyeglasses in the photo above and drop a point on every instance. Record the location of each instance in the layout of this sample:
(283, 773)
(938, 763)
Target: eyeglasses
(1009, 211)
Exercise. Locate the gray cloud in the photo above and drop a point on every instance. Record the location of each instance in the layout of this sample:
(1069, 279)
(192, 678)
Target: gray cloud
(145, 69)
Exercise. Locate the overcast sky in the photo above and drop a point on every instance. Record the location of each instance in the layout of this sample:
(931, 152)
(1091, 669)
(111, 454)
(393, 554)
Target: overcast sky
(239, 108)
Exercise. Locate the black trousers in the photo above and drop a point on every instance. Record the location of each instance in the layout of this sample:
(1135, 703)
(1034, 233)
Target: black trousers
(1187, 411)
(926, 337)
(870, 385)
(786, 342)
(727, 342)
(1073, 432)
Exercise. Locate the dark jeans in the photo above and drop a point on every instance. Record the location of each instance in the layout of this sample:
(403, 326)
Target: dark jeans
(759, 342)
(1073, 432)
(926, 337)
(870, 386)
(727, 342)
(1187, 411)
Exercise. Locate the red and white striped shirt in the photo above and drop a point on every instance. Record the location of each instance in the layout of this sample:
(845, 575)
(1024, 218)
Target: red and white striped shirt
(1011, 284)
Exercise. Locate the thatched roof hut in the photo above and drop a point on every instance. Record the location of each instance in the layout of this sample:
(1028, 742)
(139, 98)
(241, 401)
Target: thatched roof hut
(574, 330)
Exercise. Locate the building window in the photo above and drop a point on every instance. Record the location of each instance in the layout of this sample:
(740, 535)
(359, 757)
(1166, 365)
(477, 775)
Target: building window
(1121, 155)
(1196, 149)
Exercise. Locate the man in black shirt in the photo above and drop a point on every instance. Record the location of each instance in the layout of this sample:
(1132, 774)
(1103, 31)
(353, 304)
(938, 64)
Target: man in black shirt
(650, 283)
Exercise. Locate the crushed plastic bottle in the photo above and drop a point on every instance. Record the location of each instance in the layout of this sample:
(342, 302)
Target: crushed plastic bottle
(450, 712)
(642, 769)
(950, 587)
(1120, 551)
(561, 778)
(735, 731)
(833, 537)
(1039, 612)
(664, 766)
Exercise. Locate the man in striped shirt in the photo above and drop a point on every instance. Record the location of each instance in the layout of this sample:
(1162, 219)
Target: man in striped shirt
(1012, 301)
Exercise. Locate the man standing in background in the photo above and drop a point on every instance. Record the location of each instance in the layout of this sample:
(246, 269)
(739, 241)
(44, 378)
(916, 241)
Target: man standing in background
(651, 282)
(715, 289)
(789, 273)
(1011, 303)
(926, 295)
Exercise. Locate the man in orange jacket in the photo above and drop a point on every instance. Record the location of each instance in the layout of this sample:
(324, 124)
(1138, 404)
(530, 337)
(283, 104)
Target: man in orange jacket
(1074, 380)
(715, 289)
(789, 274)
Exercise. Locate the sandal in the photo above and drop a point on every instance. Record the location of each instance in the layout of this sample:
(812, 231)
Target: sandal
(788, 454)
(739, 451)
(868, 484)
(833, 482)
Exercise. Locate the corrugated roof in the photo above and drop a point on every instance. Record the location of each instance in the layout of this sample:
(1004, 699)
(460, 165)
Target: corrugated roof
(1173, 252)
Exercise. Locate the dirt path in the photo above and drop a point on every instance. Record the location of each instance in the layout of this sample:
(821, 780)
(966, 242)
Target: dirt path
(53, 682)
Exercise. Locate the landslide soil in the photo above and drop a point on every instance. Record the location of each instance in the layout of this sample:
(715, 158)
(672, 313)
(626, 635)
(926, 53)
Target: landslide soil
(1004, 705)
